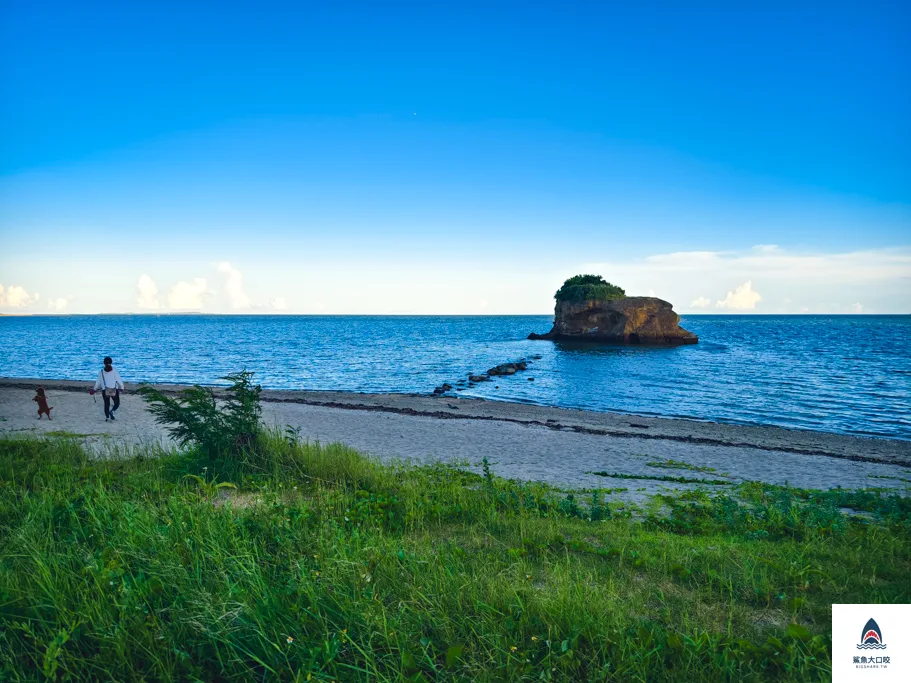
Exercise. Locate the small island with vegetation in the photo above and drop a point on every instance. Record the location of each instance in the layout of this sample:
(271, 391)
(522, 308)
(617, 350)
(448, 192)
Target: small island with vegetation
(589, 308)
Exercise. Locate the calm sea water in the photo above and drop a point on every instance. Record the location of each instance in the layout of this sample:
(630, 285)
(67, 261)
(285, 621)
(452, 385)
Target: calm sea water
(849, 374)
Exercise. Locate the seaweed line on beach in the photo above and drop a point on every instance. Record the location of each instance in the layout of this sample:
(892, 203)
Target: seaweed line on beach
(655, 477)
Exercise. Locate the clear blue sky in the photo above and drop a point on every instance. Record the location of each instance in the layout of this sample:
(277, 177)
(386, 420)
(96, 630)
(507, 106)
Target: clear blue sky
(382, 143)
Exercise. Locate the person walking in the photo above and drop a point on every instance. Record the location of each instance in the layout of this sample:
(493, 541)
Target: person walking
(110, 384)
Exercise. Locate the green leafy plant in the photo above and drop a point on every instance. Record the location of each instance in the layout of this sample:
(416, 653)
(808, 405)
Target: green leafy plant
(219, 427)
(599, 509)
(488, 472)
(292, 435)
(209, 489)
(588, 288)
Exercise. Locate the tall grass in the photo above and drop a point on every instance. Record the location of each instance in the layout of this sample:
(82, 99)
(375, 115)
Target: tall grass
(320, 564)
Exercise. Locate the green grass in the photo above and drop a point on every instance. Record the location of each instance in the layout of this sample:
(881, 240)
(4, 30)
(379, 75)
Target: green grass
(663, 477)
(324, 565)
(64, 434)
(670, 464)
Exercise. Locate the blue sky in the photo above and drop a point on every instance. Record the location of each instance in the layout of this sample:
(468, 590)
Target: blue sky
(403, 158)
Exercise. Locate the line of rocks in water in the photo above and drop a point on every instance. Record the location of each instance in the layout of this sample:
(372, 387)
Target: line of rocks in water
(502, 370)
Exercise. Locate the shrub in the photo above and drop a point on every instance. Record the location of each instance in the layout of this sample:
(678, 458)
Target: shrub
(588, 288)
(218, 427)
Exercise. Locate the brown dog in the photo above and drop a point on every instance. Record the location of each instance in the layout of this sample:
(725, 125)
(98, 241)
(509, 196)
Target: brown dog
(43, 407)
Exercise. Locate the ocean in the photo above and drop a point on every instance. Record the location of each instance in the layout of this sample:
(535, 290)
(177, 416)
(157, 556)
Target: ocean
(846, 374)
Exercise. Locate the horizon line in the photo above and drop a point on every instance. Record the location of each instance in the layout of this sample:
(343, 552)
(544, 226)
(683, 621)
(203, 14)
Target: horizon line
(399, 315)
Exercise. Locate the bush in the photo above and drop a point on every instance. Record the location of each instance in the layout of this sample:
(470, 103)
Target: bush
(218, 428)
(588, 288)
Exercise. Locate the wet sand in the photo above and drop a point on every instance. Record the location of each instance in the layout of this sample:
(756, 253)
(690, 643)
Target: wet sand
(555, 445)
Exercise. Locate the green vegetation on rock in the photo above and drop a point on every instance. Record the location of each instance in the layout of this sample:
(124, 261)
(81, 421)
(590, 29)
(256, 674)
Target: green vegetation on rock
(588, 288)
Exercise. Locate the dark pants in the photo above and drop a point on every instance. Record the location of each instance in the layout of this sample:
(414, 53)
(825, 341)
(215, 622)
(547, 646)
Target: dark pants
(108, 410)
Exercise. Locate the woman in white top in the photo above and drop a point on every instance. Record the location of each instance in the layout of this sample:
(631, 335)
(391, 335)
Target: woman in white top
(111, 385)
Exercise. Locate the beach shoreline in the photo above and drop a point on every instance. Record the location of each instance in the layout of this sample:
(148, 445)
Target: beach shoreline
(571, 449)
(609, 424)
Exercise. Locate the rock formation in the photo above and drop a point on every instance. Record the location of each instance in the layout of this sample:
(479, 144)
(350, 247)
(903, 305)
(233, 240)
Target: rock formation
(631, 320)
(503, 369)
(507, 368)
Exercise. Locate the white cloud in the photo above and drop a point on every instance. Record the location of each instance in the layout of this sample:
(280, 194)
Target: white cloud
(187, 296)
(701, 302)
(147, 293)
(856, 266)
(58, 304)
(742, 298)
(823, 282)
(857, 308)
(234, 285)
(15, 296)
(278, 304)
(683, 260)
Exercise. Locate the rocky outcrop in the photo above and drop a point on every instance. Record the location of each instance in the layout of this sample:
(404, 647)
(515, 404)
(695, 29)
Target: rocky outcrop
(507, 368)
(632, 320)
(503, 369)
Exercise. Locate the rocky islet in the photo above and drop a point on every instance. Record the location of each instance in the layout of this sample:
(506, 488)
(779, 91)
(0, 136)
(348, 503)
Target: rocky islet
(634, 320)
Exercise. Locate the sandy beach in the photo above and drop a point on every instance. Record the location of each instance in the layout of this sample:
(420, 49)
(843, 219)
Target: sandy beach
(554, 445)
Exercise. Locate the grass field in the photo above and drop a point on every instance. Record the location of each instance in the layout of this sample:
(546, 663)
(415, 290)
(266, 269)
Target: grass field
(306, 562)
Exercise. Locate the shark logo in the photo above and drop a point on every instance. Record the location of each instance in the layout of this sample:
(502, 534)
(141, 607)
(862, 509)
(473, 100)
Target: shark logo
(872, 637)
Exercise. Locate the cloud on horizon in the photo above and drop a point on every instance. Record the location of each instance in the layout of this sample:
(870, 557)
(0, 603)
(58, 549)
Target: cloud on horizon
(234, 286)
(741, 298)
(147, 294)
(760, 279)
(16, 296)
(195, 295)
(188, 296)
(789, 281)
